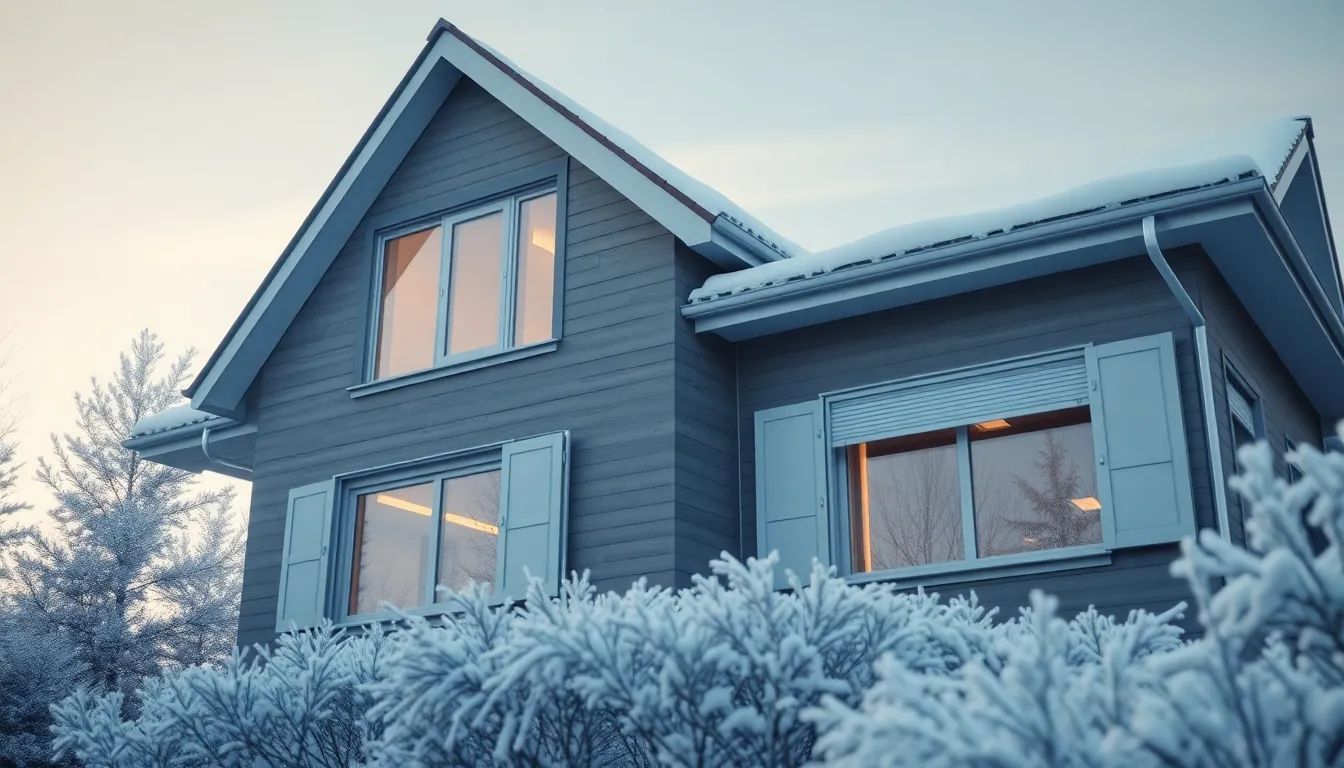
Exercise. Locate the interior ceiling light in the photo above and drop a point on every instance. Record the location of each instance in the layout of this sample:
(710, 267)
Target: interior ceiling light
(544, 239)
(1087, 503)
(448, 517)
(993, 424)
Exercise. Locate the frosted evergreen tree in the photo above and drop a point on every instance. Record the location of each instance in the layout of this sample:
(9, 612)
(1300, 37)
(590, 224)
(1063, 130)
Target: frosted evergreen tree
(134, 568)
(9, 459)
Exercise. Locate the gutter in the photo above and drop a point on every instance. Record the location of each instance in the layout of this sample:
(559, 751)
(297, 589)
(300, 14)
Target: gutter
(1205, 373)
(205, 449)
(1073, 226)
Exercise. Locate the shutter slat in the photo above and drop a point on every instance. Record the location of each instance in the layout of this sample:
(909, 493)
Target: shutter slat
(1001, 393)
(1241, 407)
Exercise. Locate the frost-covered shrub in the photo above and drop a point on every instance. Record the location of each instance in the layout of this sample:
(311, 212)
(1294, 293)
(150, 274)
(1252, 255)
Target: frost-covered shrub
(732, 673)
(1263, 687)
(302, 704)
(715, 675)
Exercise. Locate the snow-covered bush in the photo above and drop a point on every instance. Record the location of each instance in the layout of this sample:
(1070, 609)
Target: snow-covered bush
(715, 675)
(732, 673)
(302, 704)
(1263, 687)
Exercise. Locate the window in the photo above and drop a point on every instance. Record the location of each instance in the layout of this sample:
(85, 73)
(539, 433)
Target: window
(466, 285)
(1045, 461)
(406, 538)
(1032, 487)
(1243, 409)
(401, 534)
(905, 502)
(1035, 483)
(1294, 474)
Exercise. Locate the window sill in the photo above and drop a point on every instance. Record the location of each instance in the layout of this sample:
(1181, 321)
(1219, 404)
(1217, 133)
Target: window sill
(452, 369)
(1001, 567)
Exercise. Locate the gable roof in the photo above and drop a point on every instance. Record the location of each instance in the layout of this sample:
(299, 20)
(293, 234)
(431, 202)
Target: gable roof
(702, 218)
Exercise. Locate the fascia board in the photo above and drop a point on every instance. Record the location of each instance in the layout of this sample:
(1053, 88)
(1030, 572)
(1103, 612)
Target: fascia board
(957, 262)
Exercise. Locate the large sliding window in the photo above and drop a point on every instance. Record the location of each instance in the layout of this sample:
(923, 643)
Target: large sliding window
(1003, 487)
(1067, 454)
(466, 285)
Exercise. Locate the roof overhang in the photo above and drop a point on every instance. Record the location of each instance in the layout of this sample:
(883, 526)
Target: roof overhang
(448, 56)
(1237, 223)
(230, 447)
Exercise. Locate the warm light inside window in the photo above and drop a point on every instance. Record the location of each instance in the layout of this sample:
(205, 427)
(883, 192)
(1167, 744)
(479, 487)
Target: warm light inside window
(544, 239)
(448, 517)
(1087, 503)
(990, 426)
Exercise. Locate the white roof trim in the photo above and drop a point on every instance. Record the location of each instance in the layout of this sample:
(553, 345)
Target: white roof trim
(1295, 160)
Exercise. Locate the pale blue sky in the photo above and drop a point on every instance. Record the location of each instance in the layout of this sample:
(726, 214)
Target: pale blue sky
(155, 157)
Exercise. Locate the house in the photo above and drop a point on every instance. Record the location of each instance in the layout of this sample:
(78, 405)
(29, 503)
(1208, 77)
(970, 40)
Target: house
(509, 339)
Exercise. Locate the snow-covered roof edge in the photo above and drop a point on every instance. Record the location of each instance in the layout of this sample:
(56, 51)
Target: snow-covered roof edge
(1266, 155)
(660, 170)
(173, 418)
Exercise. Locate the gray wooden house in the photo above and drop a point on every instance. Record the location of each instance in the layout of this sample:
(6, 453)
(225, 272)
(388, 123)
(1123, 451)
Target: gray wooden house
(510, 339)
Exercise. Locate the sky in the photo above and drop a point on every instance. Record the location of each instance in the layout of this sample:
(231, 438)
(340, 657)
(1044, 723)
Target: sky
(155, 157)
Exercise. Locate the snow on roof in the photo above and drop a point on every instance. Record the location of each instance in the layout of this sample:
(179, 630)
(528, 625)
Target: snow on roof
(177, 416)
(1263, 150)
(699, 192)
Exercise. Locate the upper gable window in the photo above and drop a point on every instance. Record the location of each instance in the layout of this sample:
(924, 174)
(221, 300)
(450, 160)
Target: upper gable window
(466, 285)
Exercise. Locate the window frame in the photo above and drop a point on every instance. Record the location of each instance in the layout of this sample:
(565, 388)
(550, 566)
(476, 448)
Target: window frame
(507, 192)
(351, 486)
(972, 566)
(1292, 473)
(1232, 379)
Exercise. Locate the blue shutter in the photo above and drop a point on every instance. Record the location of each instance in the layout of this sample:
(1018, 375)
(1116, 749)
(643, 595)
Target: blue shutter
(1143, 469)
(792, 510)
(534, 498)
(303, 568)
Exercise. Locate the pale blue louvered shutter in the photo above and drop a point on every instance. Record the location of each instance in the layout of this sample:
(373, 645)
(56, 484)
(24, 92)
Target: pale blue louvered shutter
(1143, 469)
(958, 398)
(534, 491)
(792, 507)
(304, 565)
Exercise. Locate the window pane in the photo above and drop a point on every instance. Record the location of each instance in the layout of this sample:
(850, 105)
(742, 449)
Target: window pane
(905, 502)
(1035, 486)
(477, 279)
(392, 532)
(534, 310)
(409, 304)
(470, 531)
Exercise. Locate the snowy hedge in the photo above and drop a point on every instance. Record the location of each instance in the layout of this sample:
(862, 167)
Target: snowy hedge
(731, 672)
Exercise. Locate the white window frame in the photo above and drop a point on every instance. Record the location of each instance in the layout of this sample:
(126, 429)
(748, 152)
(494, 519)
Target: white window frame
(843, 556)
(351, 487)
(957, 570)
(509, 206)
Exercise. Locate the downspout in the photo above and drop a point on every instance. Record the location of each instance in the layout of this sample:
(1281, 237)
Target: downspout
(1205, 374)
(205, 449)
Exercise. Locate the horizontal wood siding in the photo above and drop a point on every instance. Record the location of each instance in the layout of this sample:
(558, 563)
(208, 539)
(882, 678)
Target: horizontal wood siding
(1234, 338)
(706, 434)
(611, 382)
(1100, 304)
